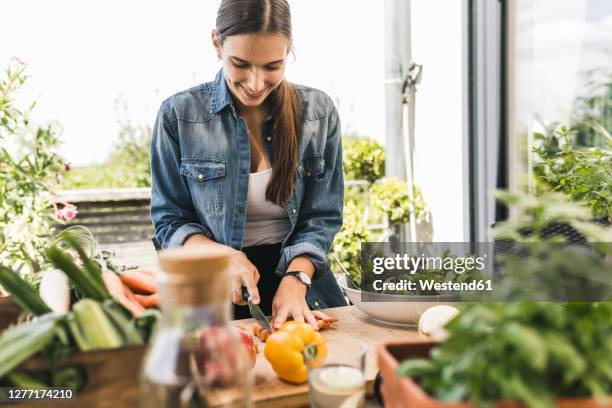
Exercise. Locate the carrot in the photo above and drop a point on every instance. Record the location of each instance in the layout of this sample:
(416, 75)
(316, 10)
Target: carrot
(147, 272)
(139, 282)
(324, 324)
(121, 293)
(148, 301)
(263, 335)
(256, 329)
(259, 332)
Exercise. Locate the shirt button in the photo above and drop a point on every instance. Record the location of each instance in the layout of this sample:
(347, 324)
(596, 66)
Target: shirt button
(294, 211)
(200, 177)
(241, 209)
(243, 171)
(268, 138)
(308, 173)
(317, 304)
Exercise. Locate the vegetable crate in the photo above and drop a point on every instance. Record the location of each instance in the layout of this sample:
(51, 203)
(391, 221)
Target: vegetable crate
(401, 392)
(112, 378)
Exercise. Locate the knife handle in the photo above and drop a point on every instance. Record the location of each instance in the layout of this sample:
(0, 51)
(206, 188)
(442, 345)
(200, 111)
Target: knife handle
(245, 293)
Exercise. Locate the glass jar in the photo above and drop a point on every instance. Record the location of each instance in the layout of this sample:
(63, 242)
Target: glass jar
(195, 359)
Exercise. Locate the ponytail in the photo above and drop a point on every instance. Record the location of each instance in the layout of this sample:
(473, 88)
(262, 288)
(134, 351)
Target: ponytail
(287, 109)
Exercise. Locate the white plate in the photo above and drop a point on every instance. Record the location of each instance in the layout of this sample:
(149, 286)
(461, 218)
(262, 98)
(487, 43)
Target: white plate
(398, 312)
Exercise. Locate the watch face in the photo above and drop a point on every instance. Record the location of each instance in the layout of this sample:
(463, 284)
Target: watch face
(304, 278)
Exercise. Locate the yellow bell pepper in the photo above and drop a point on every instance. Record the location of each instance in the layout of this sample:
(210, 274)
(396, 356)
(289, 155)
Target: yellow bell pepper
(285, 350)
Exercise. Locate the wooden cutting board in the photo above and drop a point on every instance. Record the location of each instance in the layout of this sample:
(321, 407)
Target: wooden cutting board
(270, 391)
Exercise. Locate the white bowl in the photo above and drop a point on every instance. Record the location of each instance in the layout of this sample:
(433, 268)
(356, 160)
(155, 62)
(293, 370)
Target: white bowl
(393, 309)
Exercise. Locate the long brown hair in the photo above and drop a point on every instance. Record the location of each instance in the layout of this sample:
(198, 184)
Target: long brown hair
(265, 17)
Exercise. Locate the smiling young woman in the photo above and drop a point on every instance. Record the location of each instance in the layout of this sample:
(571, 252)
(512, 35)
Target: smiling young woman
(253, 163)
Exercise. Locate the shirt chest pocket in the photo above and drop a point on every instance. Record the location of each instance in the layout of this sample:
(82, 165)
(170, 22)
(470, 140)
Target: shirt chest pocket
(312, 166)
(205, 178)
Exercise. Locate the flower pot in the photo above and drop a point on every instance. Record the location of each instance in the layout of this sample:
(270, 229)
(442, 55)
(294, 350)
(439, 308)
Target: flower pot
(400, 392)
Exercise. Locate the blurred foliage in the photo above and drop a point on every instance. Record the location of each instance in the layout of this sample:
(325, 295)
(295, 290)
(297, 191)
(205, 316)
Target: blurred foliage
(531, 352)
(593, 109)
(377, 202)
(30, 171)
(363, 158)
(584, 174)
(391, 198)
(128, 164)
(534, 214)
(347, 243)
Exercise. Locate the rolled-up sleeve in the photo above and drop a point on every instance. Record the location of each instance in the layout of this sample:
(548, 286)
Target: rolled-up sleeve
(320, 214)
(172, 210)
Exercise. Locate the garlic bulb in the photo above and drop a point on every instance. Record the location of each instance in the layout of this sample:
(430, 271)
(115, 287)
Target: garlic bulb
(432, 321)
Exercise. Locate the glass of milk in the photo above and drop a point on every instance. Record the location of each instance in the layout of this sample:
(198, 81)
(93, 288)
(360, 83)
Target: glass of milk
(339, 382)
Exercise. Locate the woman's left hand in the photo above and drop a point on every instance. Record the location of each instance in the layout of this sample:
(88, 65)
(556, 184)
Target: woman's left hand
(290, 302)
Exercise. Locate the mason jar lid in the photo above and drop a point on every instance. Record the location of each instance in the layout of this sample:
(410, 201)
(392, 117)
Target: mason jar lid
(194, 275)
(194, 262)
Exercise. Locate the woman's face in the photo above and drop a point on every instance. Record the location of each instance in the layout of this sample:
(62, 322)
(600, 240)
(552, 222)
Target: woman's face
(254, 65)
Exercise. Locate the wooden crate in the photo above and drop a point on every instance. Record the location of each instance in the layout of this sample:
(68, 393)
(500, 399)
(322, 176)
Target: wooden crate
(113, 378)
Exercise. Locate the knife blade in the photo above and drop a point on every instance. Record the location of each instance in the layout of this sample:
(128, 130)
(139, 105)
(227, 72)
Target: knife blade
(256, 312)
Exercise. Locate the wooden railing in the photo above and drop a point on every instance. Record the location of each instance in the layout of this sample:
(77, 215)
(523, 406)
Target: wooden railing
(123, 214)
(113, 215)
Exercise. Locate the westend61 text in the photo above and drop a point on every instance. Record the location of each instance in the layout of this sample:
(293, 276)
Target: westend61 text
(403, 285)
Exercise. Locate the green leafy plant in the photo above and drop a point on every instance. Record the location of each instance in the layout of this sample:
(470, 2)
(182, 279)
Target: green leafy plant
(582, 173)
(347, 243)
(534, 216)
(30, 171)
(391, 199)
(363, 158)
(524, 351)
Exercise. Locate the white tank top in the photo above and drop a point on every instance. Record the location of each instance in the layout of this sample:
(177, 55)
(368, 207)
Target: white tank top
(266, 222)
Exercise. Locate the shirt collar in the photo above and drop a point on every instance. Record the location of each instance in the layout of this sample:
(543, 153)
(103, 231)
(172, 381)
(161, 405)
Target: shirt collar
(220, 94)
(221, 97)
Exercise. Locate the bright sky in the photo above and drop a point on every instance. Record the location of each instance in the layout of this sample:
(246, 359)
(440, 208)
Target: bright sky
(82, 56)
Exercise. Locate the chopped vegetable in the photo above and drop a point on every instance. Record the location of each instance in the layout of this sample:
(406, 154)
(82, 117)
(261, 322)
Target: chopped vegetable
(263, 334)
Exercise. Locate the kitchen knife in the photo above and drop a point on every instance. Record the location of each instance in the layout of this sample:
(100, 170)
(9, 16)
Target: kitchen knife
(256, 311)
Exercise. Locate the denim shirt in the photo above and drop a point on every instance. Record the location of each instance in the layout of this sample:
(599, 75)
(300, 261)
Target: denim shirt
(200, 162)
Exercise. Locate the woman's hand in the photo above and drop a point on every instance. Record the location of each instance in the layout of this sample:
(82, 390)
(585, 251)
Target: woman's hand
(290, 302)
(244, 273)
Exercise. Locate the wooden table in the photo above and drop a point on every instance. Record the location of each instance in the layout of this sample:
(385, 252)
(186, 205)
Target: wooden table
(270, 391)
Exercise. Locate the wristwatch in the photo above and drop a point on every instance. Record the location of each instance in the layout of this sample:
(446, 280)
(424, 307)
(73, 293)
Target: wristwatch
(301, 276)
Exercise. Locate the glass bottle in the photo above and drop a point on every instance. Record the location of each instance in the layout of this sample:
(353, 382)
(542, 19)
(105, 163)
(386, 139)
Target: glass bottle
(195, 360)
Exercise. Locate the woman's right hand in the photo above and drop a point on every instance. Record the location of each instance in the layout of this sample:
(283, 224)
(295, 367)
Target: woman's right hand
(244, 273)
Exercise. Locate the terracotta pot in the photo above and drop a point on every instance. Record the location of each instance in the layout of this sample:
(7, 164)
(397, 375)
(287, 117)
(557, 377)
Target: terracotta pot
(404, 393)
